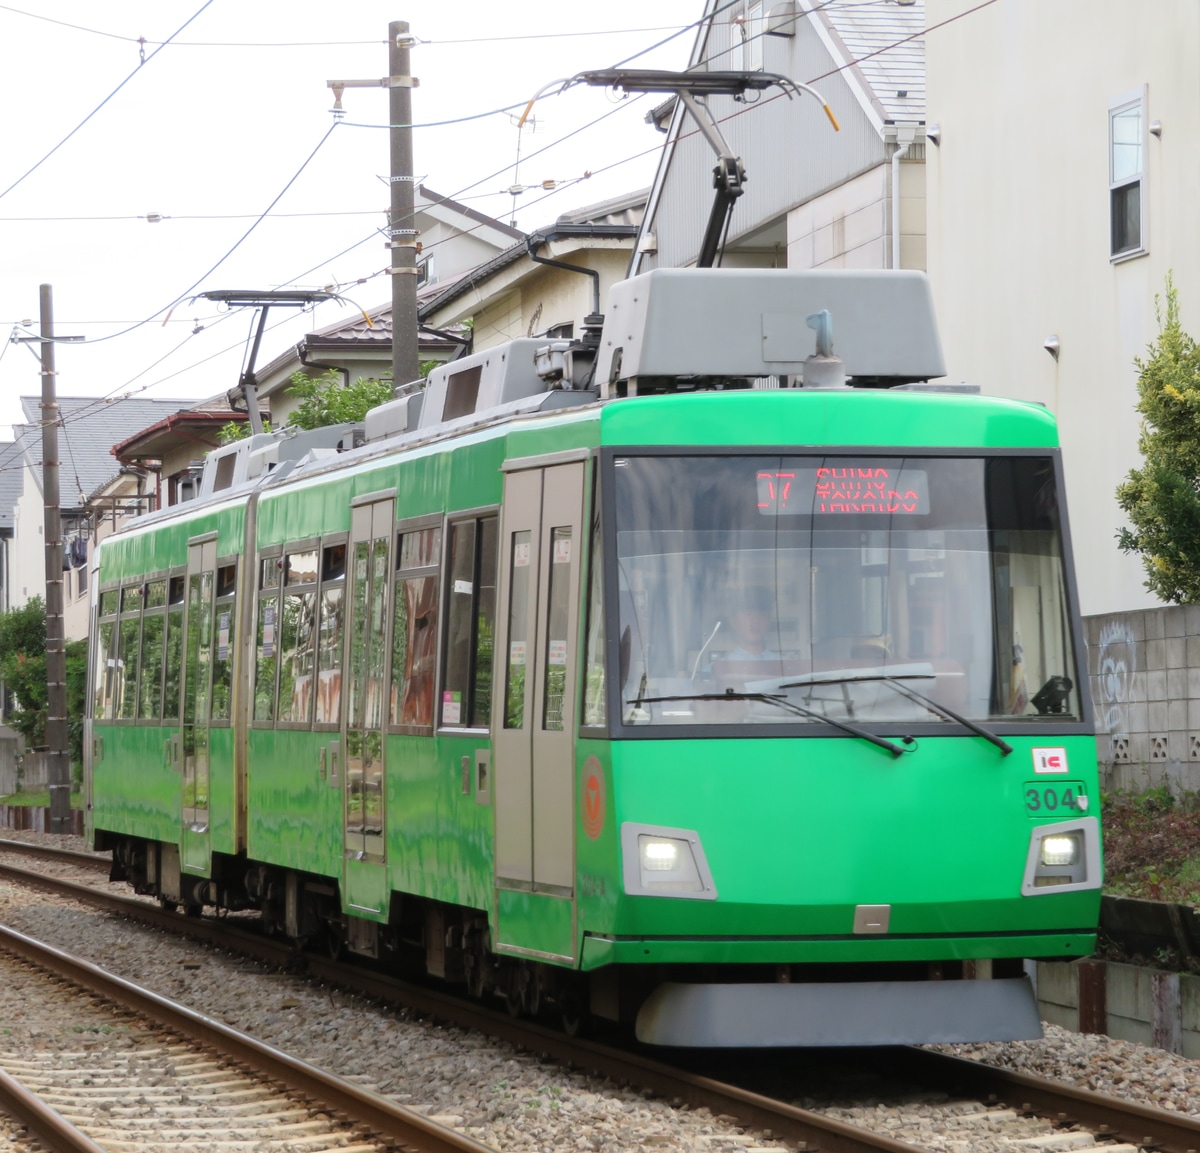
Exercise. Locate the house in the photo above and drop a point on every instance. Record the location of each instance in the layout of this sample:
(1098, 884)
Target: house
(526, 290)
(172, 449)
(812, 198)
(95, 492)
(353, 348)
(11, 470)
(1061, 195)
(453, 240)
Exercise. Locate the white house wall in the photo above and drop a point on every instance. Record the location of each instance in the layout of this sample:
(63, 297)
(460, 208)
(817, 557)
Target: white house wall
(28, 557)
(847, 227)
(1018, 196)
(537, 299)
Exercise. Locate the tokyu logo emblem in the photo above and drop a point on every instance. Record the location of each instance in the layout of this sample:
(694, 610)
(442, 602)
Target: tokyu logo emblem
(1049, 760)
(592, 798)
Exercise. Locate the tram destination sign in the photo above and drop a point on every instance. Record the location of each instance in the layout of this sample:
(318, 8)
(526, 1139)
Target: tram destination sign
(847, 488)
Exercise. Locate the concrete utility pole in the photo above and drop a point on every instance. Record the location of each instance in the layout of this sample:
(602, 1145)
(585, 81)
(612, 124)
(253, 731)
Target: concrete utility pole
(59, 764)
(402, 233)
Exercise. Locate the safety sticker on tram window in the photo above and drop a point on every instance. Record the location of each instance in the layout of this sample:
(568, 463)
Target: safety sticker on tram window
(521, 554)
(451, 708)
(516, 652)
(562, 550)
(1050, 760)
(223, 637)
(268, 632)
(558, 653)
(1062, 797)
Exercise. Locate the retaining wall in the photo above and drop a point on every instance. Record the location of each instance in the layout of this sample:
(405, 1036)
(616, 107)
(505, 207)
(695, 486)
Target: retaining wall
(36, 817)
(1126, 1001)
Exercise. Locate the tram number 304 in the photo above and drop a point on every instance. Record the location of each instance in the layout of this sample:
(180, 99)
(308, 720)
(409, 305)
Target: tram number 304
(1041, 798)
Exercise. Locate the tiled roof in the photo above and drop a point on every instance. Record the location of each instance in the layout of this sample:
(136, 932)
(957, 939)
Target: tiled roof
(89, 427)
(859, 30)
(352, 333)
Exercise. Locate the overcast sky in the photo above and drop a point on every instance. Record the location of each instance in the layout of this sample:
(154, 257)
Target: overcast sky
(210, 129)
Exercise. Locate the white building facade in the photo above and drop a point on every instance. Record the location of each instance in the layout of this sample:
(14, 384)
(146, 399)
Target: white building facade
(1061, 195)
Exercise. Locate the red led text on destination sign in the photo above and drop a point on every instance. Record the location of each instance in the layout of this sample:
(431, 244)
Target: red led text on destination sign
(842, 489)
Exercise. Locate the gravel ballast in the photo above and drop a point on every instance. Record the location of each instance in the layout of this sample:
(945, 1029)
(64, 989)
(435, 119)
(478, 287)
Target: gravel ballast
(513, 1100)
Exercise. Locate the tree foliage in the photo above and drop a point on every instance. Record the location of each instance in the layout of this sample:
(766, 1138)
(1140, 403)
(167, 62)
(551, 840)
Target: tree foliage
(23, 670)
(326, 400)
(1162, 498)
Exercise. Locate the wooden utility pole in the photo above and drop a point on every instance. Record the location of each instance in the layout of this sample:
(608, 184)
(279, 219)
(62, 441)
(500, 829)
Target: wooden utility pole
(402, 231)
(57, 751)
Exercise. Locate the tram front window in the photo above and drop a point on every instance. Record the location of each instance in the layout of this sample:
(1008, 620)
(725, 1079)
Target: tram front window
(823, 582)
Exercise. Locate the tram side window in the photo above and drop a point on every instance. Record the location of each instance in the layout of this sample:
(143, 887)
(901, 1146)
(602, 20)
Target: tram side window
(129, 648)
(414, 628)
(154, 627)
(595, 705)
(520, 568)
(470, 623)
(174, 648)
(223, 642)
(297, 645)
(329, 635)
(267, 641)
(105, 671)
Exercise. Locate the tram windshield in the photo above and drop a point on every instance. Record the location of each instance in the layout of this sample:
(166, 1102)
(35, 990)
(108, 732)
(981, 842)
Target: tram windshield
(783, 589)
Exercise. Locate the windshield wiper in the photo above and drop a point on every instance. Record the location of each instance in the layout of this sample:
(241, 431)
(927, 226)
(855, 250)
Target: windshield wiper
(919, 698)
(781, 701)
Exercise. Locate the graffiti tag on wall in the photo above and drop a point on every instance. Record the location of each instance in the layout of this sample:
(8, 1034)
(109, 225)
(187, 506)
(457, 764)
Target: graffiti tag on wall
(1116, 665)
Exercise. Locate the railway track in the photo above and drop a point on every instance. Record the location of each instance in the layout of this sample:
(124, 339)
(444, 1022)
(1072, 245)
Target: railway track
(980, 1097)
(175, 1077)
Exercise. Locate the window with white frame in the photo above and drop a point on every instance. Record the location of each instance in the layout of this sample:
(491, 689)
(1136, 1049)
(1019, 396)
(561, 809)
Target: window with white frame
(1127, 174)
(754, 37)
(737, 41)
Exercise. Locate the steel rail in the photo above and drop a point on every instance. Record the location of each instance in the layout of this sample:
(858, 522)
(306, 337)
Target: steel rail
(1107, 1116)
(668, 1082)
(51, 853)
(54, 1131)
(381, 1115)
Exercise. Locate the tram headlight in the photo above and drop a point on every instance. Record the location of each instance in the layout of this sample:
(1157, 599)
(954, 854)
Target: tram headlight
(1064, 856)
(1060, 850)
(665, 862)
(659, 854)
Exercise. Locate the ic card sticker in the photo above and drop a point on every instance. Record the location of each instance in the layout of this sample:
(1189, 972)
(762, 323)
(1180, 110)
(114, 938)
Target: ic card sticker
(1049, 760)
(451, 708)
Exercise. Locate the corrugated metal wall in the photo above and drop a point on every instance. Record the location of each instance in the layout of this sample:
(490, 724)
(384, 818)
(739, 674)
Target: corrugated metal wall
(788, 147)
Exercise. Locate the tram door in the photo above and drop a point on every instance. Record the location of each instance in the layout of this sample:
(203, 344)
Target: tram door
(372, 528)
(197, 705)
(533, 720)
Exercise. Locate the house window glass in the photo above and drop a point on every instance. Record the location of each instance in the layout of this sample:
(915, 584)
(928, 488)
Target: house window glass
(737, 41)
(1126, 171)
(754, 37)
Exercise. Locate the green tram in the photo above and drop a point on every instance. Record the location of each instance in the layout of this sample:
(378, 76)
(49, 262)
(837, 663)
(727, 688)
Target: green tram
(701, 673)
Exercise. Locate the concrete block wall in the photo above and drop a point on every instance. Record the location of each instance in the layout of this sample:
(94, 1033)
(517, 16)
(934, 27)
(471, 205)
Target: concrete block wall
(1144, 674)
(1135, 1004)
(17, 766)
